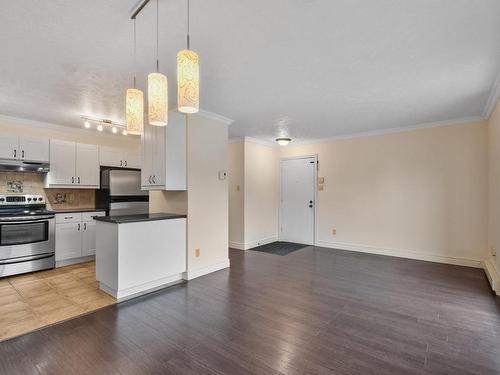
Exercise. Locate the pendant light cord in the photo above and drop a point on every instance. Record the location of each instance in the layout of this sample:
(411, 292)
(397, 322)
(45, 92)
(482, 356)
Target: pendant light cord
(188, 24)
(157, 28)
(135, 58)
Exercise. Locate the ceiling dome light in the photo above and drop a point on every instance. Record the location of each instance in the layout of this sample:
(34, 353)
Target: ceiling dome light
(283, 141)
(114, 130)
(100, 128)
(124, 132)
(87, 124)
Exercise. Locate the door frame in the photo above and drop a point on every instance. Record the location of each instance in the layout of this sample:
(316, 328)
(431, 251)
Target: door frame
(315, 218)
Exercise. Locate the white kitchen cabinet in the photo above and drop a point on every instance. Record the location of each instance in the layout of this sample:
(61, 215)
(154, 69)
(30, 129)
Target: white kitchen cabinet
(62, 163)
(164, 155)
(34, 149)
(73, 165)
(88, 238)
(118, 157)
(24, 148)
(68, 241)
(87, 165)
(76, 236)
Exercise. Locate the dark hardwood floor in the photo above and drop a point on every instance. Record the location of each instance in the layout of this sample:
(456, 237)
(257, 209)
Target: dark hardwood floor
(315, 311)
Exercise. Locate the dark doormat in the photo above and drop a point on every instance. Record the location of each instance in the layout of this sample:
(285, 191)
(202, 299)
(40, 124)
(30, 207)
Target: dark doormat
(279, 248)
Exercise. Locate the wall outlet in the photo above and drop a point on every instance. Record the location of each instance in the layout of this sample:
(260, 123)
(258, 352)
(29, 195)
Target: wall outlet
(334, 231)
(222, 175)
(197, 252)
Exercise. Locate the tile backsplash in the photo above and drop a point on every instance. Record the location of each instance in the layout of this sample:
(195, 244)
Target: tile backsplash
(32, 183)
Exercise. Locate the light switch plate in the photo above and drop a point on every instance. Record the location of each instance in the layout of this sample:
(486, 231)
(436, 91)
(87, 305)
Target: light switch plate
(321, 188)
(321, 180)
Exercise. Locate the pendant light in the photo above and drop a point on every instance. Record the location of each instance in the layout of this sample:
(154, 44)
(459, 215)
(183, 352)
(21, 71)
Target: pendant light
(188, 77)
(157, 90)
(134, 103)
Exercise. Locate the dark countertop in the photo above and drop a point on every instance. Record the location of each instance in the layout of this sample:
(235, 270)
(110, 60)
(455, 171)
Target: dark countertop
(124, 219)
(74, 210)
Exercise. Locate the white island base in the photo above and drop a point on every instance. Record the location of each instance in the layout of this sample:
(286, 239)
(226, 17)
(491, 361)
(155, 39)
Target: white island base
(135, 258)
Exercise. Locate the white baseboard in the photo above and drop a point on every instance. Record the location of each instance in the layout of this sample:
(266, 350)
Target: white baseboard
(492, 275)
(459, 261)
(193, 274)
(69, 262)
(152, 286)
(252, 244)
(237, 245)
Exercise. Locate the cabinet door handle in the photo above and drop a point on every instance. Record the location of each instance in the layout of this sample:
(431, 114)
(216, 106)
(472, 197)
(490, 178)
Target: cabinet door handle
(125, 163)
(154, 179)
(121, 163)
(68, 217)
(149, 179)
(72, 180)
(15, 153)
(84, 226)
(78, 226)
(22, 154)
(78, 179)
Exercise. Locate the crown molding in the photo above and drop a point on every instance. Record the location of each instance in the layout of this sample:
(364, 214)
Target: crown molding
(261, 142)
(492, 99)
(57, 127)
(403, 129)
(236, 140)
(215, 116)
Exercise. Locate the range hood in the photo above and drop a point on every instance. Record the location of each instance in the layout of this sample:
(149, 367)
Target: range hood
(23, 166)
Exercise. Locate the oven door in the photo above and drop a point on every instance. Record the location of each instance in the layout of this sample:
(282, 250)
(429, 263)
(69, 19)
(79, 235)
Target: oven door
(26, 236)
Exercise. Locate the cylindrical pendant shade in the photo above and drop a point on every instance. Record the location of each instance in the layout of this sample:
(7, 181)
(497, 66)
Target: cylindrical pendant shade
(134, 104)
(157, 99)
(188, 81)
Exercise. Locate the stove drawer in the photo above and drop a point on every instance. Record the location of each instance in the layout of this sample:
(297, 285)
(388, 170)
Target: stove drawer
(74, 217)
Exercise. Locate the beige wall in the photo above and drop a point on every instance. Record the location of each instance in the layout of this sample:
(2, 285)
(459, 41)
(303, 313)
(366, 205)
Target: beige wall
(206, 199)
(494, 186)
(419, 194)
(261, 194)
(236, 193)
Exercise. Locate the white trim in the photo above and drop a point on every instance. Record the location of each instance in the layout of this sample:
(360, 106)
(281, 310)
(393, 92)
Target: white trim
(139, 290)
(492, 99)
(237, 245)
(402, 129)
(236, 140)
(69, 262)
(261, 142)
(316, 160)
(215, 116)
(492, 275)
(193, 274)
(9, 120)
(263, 241)
(400, 253)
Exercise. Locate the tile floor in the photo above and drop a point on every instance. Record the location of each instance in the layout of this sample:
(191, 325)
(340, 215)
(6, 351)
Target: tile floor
(34, 300)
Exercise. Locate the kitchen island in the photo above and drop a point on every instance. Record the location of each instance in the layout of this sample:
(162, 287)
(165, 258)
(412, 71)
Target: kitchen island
(137, 254)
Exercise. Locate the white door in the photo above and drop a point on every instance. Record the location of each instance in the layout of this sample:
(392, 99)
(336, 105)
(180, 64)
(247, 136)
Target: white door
(159, 166)
(111, 156)
(62, 163)
(133, 159)
(298, 200)
(87, 165)
(9, 146)
(34, 149)
(88, 238)
(68, 241)
(175, 153)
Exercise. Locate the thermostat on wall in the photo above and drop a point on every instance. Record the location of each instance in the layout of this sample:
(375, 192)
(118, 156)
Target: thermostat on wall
(222, 175)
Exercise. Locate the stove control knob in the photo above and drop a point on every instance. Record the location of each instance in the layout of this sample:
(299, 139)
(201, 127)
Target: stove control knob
(2, 199)
(40, 199)
(29, 199)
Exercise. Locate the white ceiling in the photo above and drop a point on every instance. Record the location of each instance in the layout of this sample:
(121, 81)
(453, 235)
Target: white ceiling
(305, 68)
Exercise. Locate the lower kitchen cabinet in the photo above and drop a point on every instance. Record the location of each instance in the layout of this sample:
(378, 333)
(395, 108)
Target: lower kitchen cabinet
(75, 236)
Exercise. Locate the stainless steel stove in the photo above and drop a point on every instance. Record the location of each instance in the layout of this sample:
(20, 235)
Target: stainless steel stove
(27, 234)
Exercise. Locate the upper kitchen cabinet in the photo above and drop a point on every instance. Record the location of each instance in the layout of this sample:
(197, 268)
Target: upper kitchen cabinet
(73, 165)
(164, 155)
(118, 157)
(24, 148)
